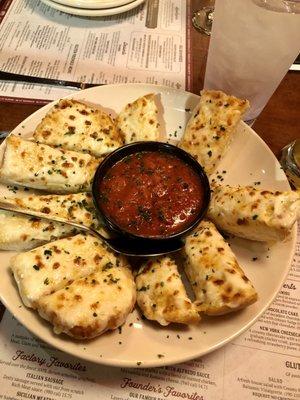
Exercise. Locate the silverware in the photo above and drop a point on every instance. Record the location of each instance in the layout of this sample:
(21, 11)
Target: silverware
(32, 213)
(9, 76)
(118, 244)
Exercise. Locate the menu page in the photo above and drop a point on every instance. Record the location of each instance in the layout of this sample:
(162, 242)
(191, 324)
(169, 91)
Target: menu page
(146, 44)
(261, 363)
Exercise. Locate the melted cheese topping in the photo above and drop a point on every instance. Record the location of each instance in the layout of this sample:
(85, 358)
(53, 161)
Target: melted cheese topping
(161, 294)
(254, 214)
(75, 126)
(77, 207)
(42, 167)
(19, 232)
(211, 127)
(92, 305)
(53, 266)
(219, 283)
(138, 120)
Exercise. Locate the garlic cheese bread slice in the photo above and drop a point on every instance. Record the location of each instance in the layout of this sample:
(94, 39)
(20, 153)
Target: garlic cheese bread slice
(92, 305)
(219, 284)
(75, 126)
(18, 232)
(161, 294)
(138, 121)
(253, 213)
(51, 267)
(42, 167)
(78, 207)
(211, 127)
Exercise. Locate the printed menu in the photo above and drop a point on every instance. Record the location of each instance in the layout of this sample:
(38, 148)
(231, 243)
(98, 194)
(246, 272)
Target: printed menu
(146, 44)
(261, 363)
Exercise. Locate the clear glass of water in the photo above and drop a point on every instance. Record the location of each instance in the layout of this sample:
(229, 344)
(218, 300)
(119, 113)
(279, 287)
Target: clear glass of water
(252, 46)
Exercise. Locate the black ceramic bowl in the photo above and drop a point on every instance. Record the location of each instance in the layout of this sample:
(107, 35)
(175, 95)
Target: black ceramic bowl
(121, 153)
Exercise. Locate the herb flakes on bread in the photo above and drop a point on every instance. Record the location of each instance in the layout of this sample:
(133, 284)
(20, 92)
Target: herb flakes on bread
(211, 127)
(76, 126)
(138, 121)
(161, 294)
(218, 281)
(40, 166)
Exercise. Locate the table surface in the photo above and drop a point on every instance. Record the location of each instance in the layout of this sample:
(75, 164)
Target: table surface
(278, 124)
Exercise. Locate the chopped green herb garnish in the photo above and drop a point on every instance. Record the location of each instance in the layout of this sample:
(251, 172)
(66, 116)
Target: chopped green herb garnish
(112, 279)
(144, 213)
(127, 159)
(144, 288)
(107, 266)
(103, 198)
(71, 131)
(161, 216)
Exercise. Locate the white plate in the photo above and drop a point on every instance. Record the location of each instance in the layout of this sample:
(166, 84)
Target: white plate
(93, 13)
(97, 4)
(248, 160)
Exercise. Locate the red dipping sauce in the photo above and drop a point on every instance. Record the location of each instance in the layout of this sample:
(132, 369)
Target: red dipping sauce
(151, 194)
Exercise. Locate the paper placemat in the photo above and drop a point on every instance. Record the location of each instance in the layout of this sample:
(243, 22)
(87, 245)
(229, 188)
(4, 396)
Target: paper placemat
(146, 44)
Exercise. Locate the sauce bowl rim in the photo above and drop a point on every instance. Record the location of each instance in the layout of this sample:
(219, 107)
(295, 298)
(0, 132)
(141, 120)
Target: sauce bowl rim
(153, 146)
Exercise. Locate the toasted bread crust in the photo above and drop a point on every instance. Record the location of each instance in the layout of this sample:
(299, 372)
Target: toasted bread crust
(211, 127)
(76, 126)
(218, 281)
(138, 120)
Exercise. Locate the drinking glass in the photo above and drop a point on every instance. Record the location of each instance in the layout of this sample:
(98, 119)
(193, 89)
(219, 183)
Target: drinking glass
(203, 18)
(252, 47)
(290, 161)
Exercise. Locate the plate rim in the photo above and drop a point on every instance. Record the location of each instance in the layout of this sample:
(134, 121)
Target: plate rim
(94, 4)
(86, 12)
(171, 360)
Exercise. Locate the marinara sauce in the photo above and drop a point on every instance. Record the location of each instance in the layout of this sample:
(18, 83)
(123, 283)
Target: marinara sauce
(151, 194)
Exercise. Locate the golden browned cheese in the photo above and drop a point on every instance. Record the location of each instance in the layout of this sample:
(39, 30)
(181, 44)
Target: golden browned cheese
(161, 294)
(91, 305)
(218, 281)
(77, 207)
(138, 120)
(255, 214)
(76, 126)
(40, 166)
(211, 127)
(53, 266)
(77, 284)
(19, 232)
